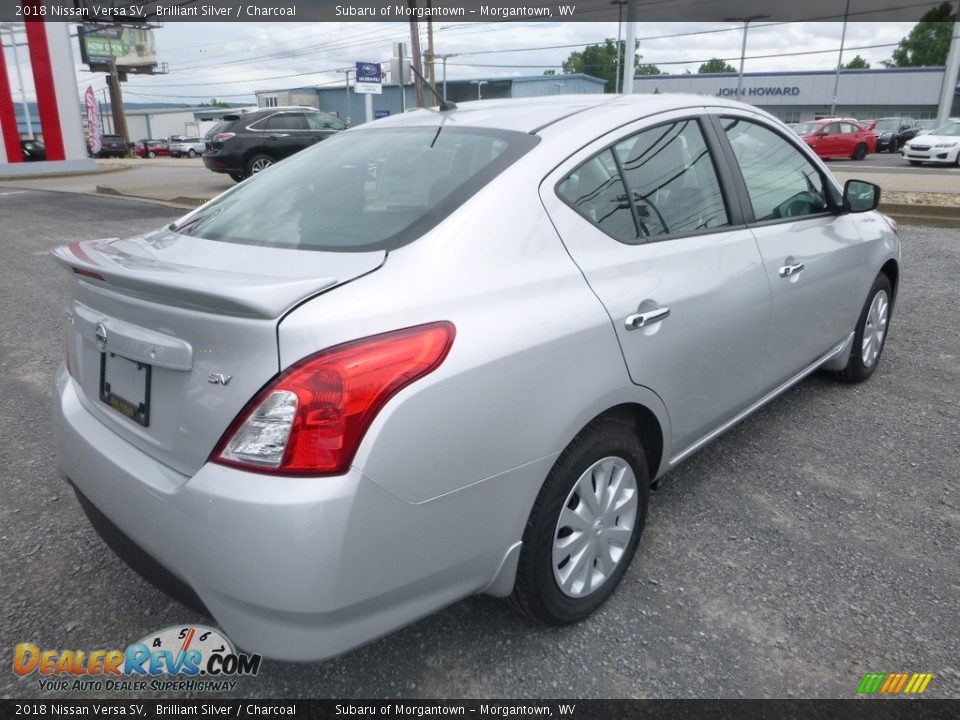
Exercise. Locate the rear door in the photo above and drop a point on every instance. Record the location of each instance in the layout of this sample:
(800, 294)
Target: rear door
(644, 215)
(286, 133)
(813, 254)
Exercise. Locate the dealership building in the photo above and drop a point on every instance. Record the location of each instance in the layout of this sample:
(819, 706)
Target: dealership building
(808, 95)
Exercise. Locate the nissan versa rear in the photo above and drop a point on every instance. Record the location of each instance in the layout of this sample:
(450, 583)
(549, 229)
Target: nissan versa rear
(447, 353)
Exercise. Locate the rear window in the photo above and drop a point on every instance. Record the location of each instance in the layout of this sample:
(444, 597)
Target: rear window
(361, 190)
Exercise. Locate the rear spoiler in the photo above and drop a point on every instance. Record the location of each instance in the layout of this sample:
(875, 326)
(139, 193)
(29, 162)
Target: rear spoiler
(226, 293)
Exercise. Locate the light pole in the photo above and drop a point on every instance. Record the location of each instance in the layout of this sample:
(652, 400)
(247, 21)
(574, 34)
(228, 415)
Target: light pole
(619, 4)
(743, 48)
(479, 84)
(444, 57)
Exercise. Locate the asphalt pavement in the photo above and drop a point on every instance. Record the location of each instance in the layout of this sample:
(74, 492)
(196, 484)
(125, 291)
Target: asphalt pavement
(815, 542)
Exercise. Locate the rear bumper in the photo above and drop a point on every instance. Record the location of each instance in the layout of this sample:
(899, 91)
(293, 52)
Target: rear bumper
(293, 568)
(223, 163)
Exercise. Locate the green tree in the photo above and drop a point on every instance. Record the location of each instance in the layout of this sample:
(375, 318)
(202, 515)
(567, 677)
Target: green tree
(858, 63)
(929, 41)
(601, 61)
(716, 65)
(215, 103)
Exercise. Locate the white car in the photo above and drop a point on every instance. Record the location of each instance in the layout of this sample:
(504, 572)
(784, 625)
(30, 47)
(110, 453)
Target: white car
(937, 146)
(190, 147)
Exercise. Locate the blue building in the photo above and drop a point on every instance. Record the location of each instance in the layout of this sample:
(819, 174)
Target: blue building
(338, 101)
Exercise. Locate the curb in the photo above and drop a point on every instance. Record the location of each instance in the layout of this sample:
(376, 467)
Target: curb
(944, 216)
(44, 176)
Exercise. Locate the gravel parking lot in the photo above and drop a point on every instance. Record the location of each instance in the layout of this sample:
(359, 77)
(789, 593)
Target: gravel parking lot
(814, 543)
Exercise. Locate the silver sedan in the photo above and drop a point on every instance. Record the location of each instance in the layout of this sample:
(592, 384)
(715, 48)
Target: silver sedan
(449, 352)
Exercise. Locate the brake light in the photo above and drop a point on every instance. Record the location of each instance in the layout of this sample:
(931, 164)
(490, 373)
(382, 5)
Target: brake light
(311, 418)
(223, 137)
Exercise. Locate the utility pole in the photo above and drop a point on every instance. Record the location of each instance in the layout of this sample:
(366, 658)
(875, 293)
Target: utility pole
(400, 78)
(619, 4)
(836, 79)
(630, 51)
(743, 48)
(346, 86)
(415, 51)
(116, 104)
(431, 63)
(107, 127)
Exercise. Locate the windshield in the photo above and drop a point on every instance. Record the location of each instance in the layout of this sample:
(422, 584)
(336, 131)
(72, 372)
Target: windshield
(948, 129)
(807, 128)
(889, 125)
(362, 190)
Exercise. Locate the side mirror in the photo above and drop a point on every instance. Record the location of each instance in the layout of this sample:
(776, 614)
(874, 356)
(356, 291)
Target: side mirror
(860, 196)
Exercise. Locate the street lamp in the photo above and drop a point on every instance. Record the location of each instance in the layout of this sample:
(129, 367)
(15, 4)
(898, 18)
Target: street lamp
(836, 78)
(743, 49)
(619, 4)
(479, 84)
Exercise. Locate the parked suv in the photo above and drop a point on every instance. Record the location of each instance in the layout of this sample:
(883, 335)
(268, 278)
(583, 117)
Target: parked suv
(243, 145)
(112, 146)
(189, 146)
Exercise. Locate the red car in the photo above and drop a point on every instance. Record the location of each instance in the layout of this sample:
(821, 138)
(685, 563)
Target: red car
(838, 138)
(151, 148)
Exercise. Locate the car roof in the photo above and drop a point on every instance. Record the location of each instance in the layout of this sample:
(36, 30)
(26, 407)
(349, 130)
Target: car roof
(533, 115)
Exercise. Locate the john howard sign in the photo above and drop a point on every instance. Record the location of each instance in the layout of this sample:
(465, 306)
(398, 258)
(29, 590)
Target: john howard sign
(767, 90)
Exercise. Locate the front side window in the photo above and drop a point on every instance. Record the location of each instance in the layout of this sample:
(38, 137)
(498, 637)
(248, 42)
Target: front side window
(781, 182)
(360, 190)
(322, 121)
(657, 182)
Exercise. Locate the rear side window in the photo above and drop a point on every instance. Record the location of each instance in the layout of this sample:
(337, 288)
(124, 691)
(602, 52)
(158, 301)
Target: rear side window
(361, 190)
(655, 183)
(780, 180)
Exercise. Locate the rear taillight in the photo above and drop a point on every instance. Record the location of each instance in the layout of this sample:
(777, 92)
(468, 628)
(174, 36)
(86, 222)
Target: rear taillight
(311, 418)
(223, 137)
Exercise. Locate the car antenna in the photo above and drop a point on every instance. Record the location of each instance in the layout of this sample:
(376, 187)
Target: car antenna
(443, 103)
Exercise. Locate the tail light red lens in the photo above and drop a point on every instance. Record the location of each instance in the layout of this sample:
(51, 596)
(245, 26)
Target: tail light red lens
(311, 419)
(223, 137)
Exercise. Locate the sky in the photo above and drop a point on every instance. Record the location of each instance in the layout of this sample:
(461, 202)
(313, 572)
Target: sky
(228, 61)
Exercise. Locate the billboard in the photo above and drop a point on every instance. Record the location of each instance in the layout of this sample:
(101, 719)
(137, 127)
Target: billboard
(133, 47)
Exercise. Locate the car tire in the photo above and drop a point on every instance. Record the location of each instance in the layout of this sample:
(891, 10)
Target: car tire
(151, 154)
(859, 152)
(915, 162)
(258, 163)
(238, 177)
(870, 334)
(191, 153)
(608, 454)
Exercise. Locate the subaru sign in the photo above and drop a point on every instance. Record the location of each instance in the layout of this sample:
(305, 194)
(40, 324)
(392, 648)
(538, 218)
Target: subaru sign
(369, 78)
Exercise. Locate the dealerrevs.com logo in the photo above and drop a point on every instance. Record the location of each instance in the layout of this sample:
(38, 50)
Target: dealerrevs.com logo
(178, 659)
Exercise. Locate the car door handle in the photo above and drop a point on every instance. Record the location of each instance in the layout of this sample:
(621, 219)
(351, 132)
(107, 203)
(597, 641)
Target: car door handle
(790, 270)
(646, 319)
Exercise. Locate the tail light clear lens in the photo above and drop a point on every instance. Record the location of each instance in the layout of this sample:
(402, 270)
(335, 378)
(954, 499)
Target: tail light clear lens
(311, 418)
(223, 137)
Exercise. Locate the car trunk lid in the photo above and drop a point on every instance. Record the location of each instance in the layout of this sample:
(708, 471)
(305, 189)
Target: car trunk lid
(169, 335)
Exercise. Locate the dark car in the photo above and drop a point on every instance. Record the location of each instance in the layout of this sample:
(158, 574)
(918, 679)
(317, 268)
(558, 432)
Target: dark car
(112, 146)
(33, 150)
(243, 145)
(151, 148)
(893, 133)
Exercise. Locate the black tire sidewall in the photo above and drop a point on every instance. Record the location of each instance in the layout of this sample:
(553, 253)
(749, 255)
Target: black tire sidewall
(542, 596)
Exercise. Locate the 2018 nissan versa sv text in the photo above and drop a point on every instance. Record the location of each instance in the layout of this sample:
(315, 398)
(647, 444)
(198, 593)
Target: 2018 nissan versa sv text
(448, 353)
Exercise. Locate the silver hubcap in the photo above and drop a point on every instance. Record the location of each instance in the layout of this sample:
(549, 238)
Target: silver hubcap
(261, 164)
(595, 526)
(875, 328)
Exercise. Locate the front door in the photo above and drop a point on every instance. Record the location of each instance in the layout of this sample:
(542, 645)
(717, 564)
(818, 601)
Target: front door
(812, 253)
